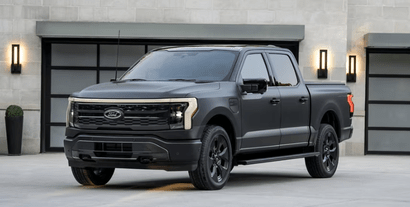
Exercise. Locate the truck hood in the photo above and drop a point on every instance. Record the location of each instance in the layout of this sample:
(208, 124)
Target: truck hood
(144, 89)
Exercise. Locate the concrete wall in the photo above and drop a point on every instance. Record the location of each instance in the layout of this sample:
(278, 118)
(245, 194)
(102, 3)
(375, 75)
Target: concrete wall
(369, 16)
(17, 25)
(326, 24)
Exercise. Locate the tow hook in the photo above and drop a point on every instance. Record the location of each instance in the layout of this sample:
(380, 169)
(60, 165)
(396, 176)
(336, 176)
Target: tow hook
(86, 158)
(146, 160)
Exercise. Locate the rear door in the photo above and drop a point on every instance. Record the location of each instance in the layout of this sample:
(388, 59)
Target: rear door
(295, 102)
(260, 115)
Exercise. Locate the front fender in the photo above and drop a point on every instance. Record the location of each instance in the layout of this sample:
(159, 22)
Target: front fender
(209, 108)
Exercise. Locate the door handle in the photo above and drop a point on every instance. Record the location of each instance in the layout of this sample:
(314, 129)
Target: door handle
(274, 101)
(303, 99)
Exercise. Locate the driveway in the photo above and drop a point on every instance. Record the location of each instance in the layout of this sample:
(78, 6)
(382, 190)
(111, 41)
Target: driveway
(46, 180)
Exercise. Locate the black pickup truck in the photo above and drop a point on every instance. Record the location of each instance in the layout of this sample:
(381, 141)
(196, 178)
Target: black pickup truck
(205, 109)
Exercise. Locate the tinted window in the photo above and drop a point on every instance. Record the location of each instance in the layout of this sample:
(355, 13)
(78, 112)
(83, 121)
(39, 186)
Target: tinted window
(284, 70)
(191, 65)
(254, 68)
(74, 55)
(127, 55)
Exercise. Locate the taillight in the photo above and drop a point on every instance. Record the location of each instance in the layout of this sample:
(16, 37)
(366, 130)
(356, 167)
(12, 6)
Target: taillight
(351, 104)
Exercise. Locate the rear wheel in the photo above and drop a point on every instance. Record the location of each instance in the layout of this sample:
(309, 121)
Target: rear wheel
(215, 160)
(92, 176)
(324, 165)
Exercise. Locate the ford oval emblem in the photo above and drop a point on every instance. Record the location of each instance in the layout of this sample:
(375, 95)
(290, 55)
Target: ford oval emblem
(113, 114)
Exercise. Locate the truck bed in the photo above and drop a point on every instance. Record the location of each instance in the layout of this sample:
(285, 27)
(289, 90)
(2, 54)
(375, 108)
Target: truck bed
(323, 83)
(331, 97)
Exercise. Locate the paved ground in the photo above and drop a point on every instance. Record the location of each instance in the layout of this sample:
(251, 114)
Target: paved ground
(45, 180)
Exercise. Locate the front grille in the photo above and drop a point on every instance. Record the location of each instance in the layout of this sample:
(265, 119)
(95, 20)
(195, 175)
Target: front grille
(136, 116)
(125, 121)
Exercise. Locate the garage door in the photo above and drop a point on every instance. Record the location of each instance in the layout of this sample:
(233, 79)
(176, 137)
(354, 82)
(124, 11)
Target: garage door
(69, 65)
(388, 102)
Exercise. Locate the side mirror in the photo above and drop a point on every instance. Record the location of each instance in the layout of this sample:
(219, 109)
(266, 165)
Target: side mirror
(254, 86)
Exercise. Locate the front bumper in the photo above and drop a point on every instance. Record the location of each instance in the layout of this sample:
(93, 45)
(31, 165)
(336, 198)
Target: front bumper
(132, 151)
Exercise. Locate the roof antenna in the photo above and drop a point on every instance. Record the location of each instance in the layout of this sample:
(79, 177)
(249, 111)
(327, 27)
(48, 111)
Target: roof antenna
(118, 51)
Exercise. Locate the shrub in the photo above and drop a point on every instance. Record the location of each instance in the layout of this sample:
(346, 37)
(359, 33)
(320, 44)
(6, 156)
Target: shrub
(14, 111)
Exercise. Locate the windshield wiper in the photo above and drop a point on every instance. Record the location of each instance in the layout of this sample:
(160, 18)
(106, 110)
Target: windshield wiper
(182, 79)
(204, 81)
(135, 79)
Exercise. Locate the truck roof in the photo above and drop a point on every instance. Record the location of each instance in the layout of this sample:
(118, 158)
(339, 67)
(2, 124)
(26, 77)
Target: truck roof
(216, 47)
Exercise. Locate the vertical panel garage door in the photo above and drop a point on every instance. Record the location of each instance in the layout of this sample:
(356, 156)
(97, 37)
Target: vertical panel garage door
(388, 102)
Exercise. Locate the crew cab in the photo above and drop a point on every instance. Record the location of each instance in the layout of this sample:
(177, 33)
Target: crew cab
(205, 109)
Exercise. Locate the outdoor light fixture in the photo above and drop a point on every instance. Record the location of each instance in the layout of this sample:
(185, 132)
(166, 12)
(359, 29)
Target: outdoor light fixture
(15, 59)
(351, 75)
(322, 71)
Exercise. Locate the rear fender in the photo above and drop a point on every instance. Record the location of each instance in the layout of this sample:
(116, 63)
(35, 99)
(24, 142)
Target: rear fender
(329, 106)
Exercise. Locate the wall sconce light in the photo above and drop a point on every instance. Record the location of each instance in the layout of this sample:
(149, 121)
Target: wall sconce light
(351, 75)
(15, 59)
(322, 71)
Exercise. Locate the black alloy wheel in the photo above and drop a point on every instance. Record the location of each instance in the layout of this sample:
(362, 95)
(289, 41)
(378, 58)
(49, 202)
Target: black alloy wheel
(324, 165)
(330, 152)
(215, 161)
(218, 160)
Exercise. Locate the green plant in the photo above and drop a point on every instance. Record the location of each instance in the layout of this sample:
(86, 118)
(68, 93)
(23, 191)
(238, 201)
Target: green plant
(14, 111)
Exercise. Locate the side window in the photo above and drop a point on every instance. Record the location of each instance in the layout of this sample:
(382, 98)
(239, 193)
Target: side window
(284, 70)
(254, 68)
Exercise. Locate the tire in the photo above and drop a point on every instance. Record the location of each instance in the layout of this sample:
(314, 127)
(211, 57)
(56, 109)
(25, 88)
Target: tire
(215, 160)
(324, 165)
(92, 176)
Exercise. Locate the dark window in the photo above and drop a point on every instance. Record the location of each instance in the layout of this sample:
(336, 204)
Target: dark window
(195, 65)
(127, 55)
(284, 70)
(254, 68)
(74, 55)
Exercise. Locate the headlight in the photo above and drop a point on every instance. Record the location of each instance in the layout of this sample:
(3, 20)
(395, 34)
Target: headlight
(70, 113)
(176, 112)
(191, 109)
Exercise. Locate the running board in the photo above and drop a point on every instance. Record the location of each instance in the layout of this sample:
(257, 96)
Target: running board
(279, 158)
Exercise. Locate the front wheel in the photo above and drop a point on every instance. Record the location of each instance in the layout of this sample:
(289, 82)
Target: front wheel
(215, 160)
(92, 176)
(324, 165)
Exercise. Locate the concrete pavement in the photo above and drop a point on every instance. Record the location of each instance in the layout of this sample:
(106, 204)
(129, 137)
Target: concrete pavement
(46, 180)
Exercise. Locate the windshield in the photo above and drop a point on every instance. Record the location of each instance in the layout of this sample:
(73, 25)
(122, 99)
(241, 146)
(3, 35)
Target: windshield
(214, 65)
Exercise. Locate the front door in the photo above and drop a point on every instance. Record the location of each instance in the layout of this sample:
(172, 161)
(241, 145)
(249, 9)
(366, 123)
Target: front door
(295, 102)
(260, 112)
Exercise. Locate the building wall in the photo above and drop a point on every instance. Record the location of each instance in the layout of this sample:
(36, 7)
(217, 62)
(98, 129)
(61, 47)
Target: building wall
(369, 16)
(326, 27)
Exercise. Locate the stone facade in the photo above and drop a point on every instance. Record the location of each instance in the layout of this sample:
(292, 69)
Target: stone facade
(336, 25)
(369, 16)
